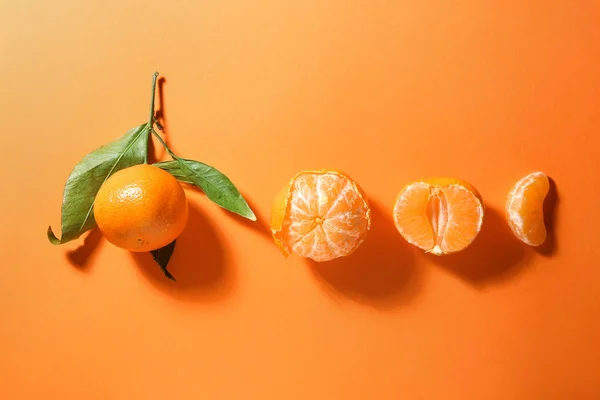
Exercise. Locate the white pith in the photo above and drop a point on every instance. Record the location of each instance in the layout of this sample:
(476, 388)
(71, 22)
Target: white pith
(313, 224)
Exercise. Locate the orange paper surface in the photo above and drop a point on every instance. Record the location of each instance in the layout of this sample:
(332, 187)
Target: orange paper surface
(386, 91)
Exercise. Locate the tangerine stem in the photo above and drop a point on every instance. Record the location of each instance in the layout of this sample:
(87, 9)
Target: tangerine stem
(151, 118)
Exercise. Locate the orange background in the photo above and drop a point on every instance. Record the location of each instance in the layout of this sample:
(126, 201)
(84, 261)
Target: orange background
(387, 91)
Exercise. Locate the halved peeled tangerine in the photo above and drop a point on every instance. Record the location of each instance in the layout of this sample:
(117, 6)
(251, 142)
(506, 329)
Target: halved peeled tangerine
(321, 215)
(525, 208)
(439, 215)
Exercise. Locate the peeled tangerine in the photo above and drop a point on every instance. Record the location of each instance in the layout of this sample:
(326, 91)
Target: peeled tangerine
(439, 215)
(525, 208)
(321, 215)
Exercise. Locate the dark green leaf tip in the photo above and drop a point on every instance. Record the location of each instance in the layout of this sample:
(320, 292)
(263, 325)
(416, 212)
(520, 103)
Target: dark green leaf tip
(52, 237)
(162, 257)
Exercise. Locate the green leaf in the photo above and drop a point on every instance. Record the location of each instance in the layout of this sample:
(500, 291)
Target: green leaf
(213, 183)
(89, 174)
(162, 257)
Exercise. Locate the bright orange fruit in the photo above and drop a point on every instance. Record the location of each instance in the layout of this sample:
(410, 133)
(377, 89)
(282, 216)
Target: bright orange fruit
(525, 208)
(141, 208)
(320, 215)
(439, 215)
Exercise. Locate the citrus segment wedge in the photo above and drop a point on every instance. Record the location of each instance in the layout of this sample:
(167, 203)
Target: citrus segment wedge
(525, 208)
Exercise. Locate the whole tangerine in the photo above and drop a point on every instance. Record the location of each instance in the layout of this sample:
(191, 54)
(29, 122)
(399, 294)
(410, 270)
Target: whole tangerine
(141, 208)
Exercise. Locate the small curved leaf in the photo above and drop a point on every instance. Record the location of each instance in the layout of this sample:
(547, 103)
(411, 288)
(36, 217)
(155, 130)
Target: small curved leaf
(52, 237)
(162, 257)
(217, 187)
(89, 174)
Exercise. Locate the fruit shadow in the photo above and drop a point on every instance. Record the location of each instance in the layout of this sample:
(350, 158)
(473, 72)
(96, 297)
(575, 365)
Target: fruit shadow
(199, 263)
(381, 273)
(86, 252)
(160, 114)
(549, 247)
(494, 256)
(260, 226)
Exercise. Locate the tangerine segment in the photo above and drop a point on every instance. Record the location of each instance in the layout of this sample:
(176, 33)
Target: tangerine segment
(439, 215)
(321, 215)
(525, 208)
(141, 208)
